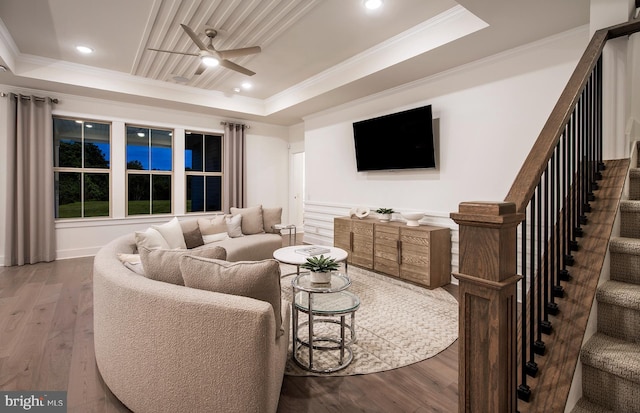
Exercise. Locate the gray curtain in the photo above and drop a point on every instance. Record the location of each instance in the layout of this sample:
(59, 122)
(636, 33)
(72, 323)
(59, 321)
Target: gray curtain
(30, 225)
(234, 179)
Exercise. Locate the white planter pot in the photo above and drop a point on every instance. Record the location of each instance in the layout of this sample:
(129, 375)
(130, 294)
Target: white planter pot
(385, 217)
(320, 277)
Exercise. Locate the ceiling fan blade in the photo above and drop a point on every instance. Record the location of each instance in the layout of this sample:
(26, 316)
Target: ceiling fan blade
(171, 51)
(231, 53)
(194, 37)
(201, 68)
(237, 68)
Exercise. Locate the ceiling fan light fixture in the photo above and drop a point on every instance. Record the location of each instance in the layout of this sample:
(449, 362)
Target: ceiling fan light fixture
(372, 4)
(246, 85)
(210, 61)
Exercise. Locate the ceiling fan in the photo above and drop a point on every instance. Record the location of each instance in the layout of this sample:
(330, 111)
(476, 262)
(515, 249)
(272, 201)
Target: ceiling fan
(209, 56)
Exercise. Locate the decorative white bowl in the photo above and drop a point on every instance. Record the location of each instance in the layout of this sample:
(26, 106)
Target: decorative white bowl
(413, 218)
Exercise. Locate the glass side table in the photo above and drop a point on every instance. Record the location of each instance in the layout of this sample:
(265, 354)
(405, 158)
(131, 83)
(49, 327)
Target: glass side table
(330, 303)
(291, 229)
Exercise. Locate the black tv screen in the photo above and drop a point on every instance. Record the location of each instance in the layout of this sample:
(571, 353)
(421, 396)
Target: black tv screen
(402, 140)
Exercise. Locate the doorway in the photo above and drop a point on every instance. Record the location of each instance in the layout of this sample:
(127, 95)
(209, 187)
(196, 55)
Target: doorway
(296, 200)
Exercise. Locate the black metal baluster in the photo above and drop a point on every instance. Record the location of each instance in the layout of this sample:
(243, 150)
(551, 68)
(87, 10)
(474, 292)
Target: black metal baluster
(566, 214)
(545, 324)
(539, 344)
(524, 391)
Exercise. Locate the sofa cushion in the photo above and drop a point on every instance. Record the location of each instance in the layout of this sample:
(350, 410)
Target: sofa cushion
(252, 222)
(193, 238)
(214, 225)
(151, 239)
(234, 226)
(172, 233)
(271, 217)
(255, 279)
(208, 239)
(164, 265)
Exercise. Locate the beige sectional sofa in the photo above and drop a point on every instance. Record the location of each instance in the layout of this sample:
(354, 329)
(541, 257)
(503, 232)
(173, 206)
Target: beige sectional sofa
(162, 347)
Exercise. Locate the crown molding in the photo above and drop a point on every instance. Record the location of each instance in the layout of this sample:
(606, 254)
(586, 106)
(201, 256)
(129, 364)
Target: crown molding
(446, 27)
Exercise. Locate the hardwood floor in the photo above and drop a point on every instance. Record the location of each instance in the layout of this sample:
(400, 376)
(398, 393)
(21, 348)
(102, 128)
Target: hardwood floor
(46, 343)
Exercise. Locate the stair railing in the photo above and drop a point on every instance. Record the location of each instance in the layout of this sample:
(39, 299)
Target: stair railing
(527, 240)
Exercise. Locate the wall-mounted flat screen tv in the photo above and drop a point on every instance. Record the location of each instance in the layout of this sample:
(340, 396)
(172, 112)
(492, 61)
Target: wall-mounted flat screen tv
(402, 140)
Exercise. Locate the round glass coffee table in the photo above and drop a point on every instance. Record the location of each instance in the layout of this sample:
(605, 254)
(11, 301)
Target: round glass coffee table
(324, 303)
(294, 255)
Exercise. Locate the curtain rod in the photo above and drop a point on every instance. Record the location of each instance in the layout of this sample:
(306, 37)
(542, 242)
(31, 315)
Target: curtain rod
(37, 98)
(233, 123)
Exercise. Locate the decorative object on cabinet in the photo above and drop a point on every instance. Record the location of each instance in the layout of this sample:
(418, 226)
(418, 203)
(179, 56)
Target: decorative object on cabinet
(413, 218)
(385, 214)
(359, 212)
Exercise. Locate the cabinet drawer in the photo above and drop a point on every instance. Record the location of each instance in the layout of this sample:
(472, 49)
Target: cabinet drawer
(414, 238)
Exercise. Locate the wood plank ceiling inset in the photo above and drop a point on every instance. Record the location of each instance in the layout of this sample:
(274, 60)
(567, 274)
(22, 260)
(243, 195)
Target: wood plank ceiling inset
(240, 23)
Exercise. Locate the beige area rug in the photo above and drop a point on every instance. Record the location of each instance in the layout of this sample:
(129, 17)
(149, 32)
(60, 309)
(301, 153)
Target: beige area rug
(397, 324)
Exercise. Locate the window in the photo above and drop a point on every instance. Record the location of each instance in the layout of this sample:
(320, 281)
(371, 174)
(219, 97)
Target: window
(81, 161)
(149, 170)
(203, 165)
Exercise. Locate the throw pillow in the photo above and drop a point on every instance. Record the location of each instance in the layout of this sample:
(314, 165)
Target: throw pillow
(271, 217)
(251, 219)
(151, 239)
(164, 265)
(234, 226)
(193, 238)
(215, 225)
(208, 239)
(172, 233)
(255, 279)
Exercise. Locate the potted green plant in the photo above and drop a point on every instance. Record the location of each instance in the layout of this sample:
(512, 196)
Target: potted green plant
(321, 268)
(385, 214)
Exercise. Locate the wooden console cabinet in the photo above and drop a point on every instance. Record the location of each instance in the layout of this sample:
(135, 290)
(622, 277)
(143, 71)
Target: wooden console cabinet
(418, 254)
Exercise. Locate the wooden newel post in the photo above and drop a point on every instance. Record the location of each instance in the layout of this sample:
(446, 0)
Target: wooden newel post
(487, 294)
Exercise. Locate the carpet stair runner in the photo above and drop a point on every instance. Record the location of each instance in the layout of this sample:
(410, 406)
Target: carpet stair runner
(611, 358)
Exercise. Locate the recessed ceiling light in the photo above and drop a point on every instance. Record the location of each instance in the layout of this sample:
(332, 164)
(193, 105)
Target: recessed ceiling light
(141, 134)
(372, 4)
(210, 61)
(78, 121)
(88, 125)
(236, 89)
(246, 85)
(84, 49)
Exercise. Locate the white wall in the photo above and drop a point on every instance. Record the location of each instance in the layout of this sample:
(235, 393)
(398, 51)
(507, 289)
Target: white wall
(489, 114)
(267, 166)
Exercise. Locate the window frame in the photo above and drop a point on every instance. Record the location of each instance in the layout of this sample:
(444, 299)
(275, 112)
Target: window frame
(204, 173)
(149, 172)
(83, 170)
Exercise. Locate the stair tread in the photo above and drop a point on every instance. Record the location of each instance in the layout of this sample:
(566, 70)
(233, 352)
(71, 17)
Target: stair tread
(586, 406)
(630, 205)
(625, 245)
(615, 356)
(620, 293)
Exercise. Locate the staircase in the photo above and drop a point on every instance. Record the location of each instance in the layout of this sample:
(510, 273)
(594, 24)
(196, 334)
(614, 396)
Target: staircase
(611, 357)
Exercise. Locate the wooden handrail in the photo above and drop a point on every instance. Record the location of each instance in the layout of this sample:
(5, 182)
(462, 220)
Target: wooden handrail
(534, 165)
